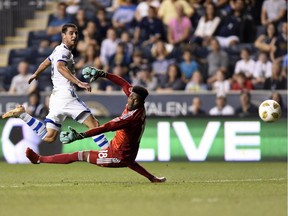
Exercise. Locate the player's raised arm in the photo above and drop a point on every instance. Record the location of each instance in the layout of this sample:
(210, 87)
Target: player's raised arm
(45, 64)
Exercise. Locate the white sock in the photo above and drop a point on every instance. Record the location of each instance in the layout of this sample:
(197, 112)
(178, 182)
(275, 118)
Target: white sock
(101, 141)
(37, 126)
(80, 155)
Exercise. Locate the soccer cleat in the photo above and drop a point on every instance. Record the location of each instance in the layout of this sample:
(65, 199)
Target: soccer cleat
(158, 179)
(15, 112)
(32, 156)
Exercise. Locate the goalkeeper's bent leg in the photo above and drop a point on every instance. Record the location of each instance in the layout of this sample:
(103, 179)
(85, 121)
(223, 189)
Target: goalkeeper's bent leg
(62, 158)
(141, 170)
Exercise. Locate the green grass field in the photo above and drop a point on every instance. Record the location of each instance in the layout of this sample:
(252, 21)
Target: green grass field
(210, 188)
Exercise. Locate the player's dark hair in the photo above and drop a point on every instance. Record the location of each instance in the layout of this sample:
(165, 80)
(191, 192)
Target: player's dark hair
(66, 26)
(141, 91)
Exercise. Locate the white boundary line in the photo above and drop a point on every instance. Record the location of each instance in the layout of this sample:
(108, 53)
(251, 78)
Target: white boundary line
(237, 180)
(85, 183)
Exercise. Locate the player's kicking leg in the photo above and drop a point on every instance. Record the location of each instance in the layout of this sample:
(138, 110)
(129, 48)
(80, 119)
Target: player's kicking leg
(100, 140)
(15, 113)
(37, 126)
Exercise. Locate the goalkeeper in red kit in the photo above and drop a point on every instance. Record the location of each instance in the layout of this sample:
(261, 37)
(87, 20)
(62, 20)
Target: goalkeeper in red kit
(123, 148)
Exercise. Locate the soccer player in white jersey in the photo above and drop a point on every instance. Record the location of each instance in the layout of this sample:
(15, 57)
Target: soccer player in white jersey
(64, 102)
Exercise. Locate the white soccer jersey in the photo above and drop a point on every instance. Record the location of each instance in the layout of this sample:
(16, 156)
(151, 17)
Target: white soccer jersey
(61, 53)
(64, 101)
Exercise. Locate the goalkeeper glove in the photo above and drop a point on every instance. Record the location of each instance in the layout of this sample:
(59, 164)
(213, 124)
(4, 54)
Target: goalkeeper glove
(92, 73)
(70, 136)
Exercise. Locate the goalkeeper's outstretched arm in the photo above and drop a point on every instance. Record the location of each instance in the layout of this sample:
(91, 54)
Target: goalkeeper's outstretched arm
(94, 73)
(72, 135)
(120, 81)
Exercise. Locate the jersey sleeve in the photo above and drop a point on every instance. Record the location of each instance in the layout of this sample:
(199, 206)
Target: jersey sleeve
(121, 122)
(127, 87)
(60, 55)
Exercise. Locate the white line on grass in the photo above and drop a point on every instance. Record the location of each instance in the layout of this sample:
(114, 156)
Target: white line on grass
(237, 180)
(85, 183)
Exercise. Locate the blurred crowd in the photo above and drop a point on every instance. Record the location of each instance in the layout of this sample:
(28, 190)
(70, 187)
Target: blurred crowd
(200, 45)
(196, 45)
(168, 45)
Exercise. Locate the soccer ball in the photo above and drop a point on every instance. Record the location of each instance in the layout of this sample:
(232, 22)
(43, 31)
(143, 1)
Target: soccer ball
(16, 137)
(269, 111)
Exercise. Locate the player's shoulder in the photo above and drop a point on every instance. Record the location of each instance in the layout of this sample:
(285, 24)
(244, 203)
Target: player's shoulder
(62, 48)
(132, 114)
(62, 51)
(138, 113)
(128, 114)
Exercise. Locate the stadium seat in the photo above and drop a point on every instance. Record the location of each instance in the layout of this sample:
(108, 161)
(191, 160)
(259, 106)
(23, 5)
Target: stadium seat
(231, 66)
(47, 72)
(260, 30)
(2, 71)
(44, 80)
(16, 60)
(35, 37)
(32, 69)
(8, 73)
(39, 60)
(249, 46)
(2, 76)
(235, 50)
(16, 55)
(41, 56)
(45, 53)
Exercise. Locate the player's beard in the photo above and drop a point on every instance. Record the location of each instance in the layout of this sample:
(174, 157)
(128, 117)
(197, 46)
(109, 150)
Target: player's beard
(133, 106)
(73, 44)
(130, 107)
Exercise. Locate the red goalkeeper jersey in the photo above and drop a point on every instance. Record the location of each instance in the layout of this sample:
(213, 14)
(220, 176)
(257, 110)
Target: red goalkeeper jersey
(129, 127)
(126, 142)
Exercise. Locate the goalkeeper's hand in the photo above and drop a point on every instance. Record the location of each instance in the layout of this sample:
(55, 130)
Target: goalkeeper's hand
(70, 136)
(92, 73)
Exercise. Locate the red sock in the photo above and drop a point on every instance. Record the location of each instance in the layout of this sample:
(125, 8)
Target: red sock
(139, 169)
(60, 158)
